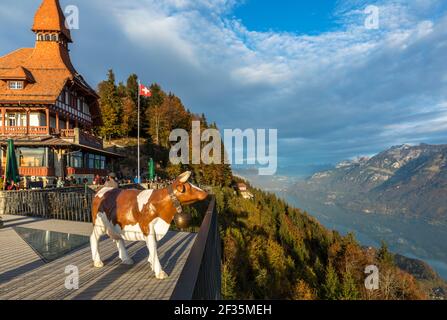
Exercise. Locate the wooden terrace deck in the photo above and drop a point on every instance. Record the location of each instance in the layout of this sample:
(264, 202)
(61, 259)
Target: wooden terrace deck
(25, 275)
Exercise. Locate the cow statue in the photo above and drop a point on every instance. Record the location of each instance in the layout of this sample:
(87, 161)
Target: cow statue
(133, 215)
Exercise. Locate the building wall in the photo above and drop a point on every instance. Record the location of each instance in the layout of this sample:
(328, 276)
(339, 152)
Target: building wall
(38, 119)
(35, 119)
(59, 163)
(52, 122)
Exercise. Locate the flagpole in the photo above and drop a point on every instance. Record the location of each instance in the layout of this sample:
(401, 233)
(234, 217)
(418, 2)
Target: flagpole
(139, 172)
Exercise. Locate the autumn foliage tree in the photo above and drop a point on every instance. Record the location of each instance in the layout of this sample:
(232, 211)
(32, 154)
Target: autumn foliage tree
(111, 107)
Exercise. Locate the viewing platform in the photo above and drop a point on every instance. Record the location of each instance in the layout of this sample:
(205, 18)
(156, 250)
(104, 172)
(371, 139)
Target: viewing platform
(36, 252)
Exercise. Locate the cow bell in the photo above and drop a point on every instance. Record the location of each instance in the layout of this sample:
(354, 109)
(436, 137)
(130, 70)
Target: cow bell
(182, 220)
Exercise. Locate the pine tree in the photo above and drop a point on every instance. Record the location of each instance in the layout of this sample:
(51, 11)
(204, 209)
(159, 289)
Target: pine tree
(132, 88)
(332, 285)
(349, 289)
(155, 115)
(129, 121)
(384, 256)
(228, 283)
(302, 291)
(111, 107)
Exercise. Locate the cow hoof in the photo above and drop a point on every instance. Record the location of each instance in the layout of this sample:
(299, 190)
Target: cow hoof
(161, 276)
(98, 264)
(128, 262)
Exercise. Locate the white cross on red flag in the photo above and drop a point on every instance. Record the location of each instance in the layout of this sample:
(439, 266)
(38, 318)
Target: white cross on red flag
(144, 91)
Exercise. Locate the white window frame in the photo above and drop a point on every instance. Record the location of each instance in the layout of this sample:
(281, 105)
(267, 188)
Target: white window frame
(11, 120)
(16, 120)
(16, 85)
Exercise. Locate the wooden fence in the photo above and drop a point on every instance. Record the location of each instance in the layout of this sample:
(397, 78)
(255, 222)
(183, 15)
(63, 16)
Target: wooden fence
(72, 204)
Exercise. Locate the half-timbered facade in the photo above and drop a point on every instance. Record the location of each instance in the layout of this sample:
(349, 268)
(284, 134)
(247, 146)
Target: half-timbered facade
(46, 106)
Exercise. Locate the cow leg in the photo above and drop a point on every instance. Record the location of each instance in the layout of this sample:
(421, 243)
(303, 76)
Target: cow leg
(98, 231)
(154, 261)
(123, 253)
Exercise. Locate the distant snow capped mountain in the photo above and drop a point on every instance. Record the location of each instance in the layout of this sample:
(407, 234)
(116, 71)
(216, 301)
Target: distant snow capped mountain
(406, 180)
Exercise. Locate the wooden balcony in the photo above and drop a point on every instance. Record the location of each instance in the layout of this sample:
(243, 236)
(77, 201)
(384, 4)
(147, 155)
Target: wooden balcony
(81, 137)
(67, 133)
(36, 171)
(32, 171)
(23, 131)
(83, 171)
(38, 131)
(76, 135)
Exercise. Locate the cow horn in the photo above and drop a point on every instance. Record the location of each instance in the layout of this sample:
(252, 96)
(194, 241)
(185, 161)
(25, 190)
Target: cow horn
(184, 177)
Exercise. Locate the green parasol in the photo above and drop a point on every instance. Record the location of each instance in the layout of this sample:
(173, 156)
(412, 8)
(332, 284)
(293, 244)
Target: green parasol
(151, 170)
(12, 168)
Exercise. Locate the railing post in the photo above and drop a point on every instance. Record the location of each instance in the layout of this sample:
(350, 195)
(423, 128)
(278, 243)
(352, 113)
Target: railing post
(2, 203)
(27, 121)
(47, 116)
(3, 120)
(57, 122)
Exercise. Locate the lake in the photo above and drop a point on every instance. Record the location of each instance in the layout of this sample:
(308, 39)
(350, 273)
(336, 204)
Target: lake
(413, 238)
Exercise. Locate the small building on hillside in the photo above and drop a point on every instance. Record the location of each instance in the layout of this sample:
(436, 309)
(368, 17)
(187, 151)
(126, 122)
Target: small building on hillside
(242, 189)
(47, 107)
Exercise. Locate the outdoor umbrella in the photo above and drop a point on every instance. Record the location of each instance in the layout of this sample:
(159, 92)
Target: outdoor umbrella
(12, 168)
(151, 170)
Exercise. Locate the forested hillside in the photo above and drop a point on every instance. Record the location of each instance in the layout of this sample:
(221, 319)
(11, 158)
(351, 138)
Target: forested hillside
(274, 251)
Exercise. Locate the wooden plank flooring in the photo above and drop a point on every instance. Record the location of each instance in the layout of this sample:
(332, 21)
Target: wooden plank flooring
(23, 274)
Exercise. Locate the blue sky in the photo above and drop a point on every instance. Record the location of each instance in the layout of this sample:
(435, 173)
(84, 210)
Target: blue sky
(303, 17)
(333, 88)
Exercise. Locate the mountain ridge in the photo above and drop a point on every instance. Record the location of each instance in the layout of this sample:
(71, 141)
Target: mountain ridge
(404, 180)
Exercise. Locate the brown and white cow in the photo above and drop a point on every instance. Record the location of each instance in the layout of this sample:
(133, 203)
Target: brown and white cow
(133, 215)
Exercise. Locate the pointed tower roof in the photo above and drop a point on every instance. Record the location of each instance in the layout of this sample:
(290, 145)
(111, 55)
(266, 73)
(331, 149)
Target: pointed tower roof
(49, 17)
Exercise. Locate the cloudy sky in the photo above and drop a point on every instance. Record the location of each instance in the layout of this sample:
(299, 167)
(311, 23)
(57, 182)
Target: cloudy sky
(334, 88)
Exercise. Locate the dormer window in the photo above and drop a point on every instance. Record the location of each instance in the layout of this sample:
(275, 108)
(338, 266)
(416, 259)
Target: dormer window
(16, 85)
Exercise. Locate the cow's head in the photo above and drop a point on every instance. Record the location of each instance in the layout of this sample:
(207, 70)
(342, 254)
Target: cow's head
(186, 192)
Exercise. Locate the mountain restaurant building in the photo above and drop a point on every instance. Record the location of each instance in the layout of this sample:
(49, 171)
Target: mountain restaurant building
(47, 108)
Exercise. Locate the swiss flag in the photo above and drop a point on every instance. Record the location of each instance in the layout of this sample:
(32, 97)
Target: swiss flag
(145, 92)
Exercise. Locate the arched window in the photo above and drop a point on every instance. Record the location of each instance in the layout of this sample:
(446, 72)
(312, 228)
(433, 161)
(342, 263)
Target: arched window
(54, 37)
(47, 37)
(40, 37)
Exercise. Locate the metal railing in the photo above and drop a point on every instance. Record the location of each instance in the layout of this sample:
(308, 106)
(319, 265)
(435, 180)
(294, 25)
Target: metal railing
(61, 204)
(201, 275)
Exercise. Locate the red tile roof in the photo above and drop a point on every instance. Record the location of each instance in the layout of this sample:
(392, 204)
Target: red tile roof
(48, 64)
(47, 67)
(19, 73)
(49, 17)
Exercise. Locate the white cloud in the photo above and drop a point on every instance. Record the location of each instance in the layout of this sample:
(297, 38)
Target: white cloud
(333, 94)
